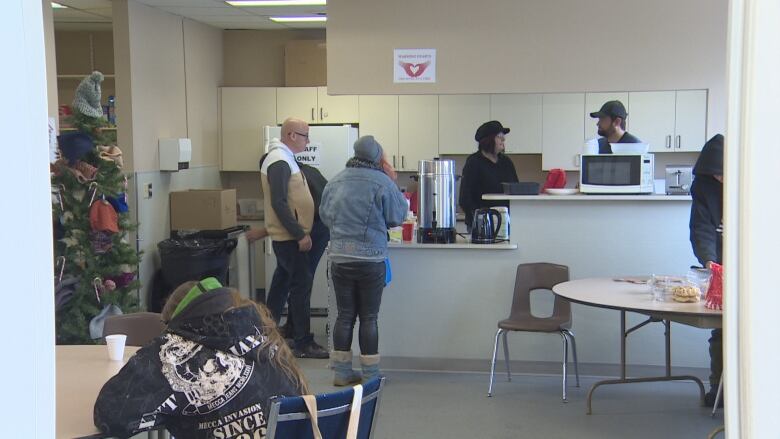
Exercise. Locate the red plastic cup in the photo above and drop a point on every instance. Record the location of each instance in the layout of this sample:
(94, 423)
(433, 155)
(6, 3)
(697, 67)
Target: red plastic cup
(407, 230)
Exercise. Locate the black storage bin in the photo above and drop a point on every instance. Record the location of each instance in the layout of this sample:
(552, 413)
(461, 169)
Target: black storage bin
(189, 259)
(521, 188)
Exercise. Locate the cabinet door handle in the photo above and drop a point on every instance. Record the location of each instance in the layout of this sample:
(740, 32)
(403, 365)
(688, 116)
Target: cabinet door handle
(669, 141)
(312, 113)
(321, 117)
(403, 162)
(394, 161)
(679, 142)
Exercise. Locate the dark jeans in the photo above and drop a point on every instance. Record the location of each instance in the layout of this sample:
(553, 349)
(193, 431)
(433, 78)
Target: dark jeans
(358, 288)
(294, 277)
(320, 235)
(716, 358)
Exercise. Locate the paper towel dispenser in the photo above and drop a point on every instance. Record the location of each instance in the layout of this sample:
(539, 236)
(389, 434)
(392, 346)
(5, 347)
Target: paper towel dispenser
(175, 154)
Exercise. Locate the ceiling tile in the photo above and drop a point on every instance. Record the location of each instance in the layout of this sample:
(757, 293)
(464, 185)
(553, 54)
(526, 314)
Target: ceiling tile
(86, 4)
(200, 11)
(202, 3)
(285, 10)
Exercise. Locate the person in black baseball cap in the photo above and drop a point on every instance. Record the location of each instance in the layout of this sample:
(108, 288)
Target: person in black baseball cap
(485, 170)
(612, 126)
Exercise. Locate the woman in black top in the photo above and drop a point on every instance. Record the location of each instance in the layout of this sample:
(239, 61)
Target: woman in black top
(485, 170)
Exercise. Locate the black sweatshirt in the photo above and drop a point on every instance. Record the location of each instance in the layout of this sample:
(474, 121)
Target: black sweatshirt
(706, 224)
(209, 375)
(482, 176)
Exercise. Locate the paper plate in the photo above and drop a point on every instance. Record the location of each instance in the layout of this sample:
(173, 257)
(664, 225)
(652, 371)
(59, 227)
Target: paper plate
(563, 191)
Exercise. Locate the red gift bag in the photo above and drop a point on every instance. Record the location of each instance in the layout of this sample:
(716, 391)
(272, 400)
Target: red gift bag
(556, 179)
(714, 298)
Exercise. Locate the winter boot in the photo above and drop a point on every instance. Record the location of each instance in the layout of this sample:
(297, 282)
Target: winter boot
(342, 368)
(370, 365)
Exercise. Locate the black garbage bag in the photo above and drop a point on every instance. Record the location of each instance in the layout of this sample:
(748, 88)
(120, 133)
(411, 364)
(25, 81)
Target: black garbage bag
(184, 260)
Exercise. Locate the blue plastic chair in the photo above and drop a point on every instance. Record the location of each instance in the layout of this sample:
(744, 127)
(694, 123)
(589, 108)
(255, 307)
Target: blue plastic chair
(289, 418)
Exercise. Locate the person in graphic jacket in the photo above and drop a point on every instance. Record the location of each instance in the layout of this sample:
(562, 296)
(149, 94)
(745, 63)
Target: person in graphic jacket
(706, 226)
(209, 375)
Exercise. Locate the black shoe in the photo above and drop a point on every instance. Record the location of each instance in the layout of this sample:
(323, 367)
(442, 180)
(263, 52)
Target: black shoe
(311, 350)
(709, 399)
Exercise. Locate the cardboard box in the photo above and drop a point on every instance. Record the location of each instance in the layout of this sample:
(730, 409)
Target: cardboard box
(201, 209)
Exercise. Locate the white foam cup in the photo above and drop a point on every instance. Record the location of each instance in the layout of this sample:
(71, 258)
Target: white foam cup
(116, 346)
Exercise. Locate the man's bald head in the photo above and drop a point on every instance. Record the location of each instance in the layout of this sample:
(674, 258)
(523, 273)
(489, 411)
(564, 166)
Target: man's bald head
(295, 134)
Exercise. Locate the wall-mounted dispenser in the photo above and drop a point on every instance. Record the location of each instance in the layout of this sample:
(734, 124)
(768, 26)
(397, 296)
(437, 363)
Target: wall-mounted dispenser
(175, 154)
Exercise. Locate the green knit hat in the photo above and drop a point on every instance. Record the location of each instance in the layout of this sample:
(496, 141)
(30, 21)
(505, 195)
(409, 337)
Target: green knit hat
(202, 287)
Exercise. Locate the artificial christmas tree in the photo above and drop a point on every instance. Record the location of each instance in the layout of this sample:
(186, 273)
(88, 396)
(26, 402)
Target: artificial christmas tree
(96, 267)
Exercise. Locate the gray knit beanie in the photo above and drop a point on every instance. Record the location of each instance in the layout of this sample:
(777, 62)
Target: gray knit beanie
(367, 148)
(87, 100)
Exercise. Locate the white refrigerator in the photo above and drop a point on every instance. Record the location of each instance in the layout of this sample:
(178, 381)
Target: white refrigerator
(329, 149)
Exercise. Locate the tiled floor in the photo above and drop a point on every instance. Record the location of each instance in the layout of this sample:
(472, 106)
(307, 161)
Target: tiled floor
(454, 405)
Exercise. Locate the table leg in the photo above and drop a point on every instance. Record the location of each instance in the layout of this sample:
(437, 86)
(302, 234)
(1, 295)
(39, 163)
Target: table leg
(624, 380)
(623, 337)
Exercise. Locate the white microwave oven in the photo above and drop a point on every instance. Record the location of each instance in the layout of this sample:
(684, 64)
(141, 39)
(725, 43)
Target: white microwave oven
(617, 173)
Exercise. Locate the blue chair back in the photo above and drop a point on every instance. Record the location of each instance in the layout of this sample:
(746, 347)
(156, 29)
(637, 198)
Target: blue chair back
(289, 418)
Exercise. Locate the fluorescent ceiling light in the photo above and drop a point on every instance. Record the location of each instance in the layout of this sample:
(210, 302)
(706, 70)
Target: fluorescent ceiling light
(308, 19)
(277, 2)
(57, 6)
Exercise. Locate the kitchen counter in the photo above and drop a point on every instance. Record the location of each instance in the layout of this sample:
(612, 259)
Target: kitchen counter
(460, 244)
(443, 305)
(586, 197)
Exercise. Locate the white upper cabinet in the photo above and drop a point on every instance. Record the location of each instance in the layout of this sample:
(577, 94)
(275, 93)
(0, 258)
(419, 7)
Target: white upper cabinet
(336, 109)
(671, 121)
(593, 103)
(459, 118)
(379, 118)
(298, 102)
(563, 129)
(418, 131)
(522, 114)
(651, 118)
(244, 113)
(690, 126)
(313, 105)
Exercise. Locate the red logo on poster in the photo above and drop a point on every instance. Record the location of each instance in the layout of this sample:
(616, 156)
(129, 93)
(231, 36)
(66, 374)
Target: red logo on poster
(414, 70)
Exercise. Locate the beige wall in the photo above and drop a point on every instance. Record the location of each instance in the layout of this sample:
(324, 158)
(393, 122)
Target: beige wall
(505, 46)
(256, 58)
(203, 66)
(170, 70)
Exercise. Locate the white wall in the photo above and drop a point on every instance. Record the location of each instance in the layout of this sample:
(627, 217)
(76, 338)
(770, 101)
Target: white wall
(27, 315)
(750, 219)
(168, 72)
(506, 46)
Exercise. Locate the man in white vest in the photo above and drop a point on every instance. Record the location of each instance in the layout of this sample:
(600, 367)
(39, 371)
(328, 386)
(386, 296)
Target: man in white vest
(289, 214)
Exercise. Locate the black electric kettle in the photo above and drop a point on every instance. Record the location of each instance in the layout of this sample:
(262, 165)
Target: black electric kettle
(485, 227)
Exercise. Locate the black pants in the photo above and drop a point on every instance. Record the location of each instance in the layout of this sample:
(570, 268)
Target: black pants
(320, 235)
(358, 288)
(716, 358)
(294, 277)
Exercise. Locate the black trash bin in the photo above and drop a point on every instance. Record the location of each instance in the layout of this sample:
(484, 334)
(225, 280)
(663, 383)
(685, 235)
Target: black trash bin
(196, 258)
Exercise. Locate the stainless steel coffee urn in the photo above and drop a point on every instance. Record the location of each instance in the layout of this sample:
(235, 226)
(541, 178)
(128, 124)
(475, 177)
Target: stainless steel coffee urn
(436, 197)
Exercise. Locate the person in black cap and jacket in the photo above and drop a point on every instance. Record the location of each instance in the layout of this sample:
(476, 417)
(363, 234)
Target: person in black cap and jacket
(612, 126)
(706, 226)
(485, 170)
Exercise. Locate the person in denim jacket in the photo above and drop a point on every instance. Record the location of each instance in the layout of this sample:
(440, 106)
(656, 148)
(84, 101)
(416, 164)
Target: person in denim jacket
(358, 205)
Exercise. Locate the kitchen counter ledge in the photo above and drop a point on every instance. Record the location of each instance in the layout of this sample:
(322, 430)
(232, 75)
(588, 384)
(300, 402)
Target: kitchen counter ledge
(584, 197)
